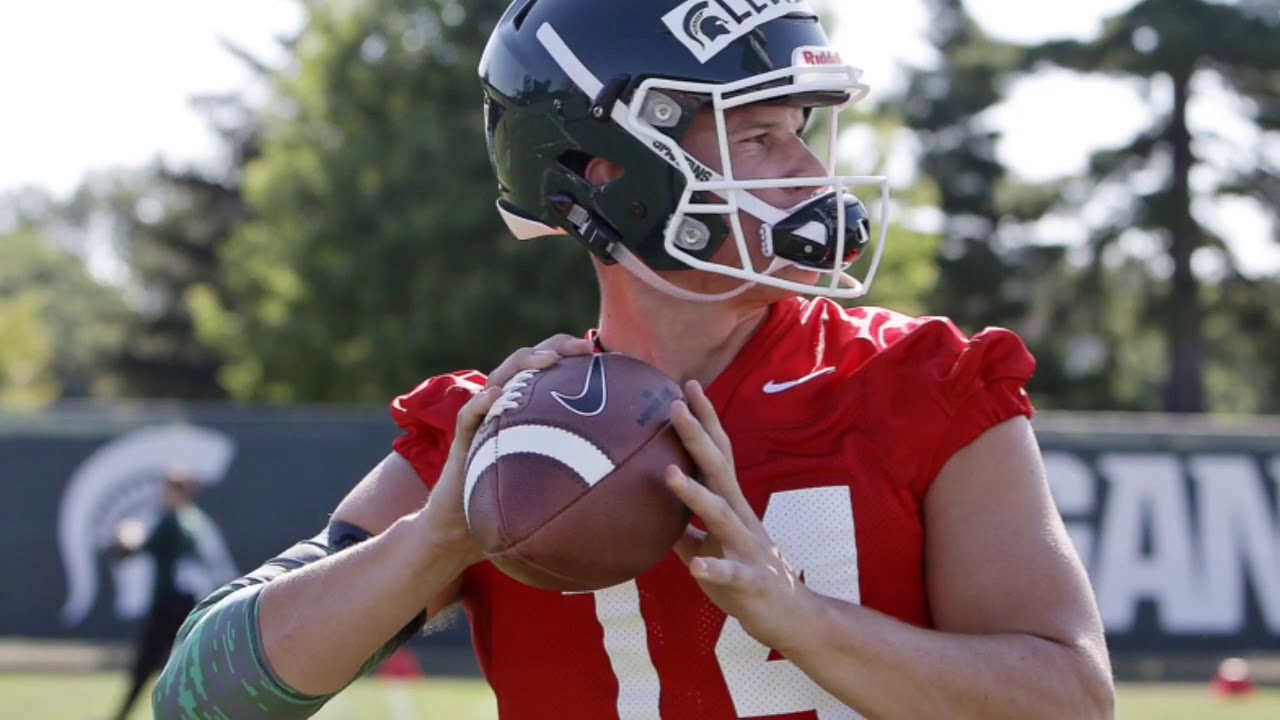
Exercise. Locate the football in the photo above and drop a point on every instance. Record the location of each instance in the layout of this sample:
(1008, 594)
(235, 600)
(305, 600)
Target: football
(564, 487)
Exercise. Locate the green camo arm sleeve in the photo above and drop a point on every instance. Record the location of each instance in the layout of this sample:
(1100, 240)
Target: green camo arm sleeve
(218, 670)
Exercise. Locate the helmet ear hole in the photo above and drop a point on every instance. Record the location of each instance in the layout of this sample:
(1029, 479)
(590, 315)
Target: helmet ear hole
(575, 161)
(596, 171)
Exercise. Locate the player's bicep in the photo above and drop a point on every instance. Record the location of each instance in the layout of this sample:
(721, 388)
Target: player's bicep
(998, 558)
(391, 490)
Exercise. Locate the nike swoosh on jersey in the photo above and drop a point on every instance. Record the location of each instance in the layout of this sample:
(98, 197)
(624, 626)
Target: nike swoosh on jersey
(594, 396)
(773, 388)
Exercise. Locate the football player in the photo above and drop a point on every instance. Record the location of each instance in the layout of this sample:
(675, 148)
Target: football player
(877, 535)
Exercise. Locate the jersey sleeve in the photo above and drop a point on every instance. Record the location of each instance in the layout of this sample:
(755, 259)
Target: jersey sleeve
(981, 387)
(957, 388)
(427, 415)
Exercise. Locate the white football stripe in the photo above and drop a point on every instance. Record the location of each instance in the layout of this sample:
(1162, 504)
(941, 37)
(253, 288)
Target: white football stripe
(574, 451)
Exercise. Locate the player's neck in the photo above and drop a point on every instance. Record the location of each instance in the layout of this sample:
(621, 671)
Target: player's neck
(688, 341)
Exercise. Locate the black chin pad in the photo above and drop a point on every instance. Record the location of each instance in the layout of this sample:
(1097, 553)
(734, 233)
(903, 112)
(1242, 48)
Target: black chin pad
(808, 236)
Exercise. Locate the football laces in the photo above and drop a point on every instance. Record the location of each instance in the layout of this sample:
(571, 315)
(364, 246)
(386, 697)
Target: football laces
(512, 391)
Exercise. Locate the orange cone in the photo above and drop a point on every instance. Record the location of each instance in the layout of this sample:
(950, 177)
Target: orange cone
(401, 664)
(1233, 678)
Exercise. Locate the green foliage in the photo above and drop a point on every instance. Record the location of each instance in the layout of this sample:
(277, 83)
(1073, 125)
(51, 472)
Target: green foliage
(943, 104)
(26, 356)
(1108, 332)
(170, 226)
(1243, 336)
(375, 256)
(908, 271)
(350, 246)
(60, 326)
(60, 695)
(991, 270)
(1095, 348)
(1174, 42)
(76, 694)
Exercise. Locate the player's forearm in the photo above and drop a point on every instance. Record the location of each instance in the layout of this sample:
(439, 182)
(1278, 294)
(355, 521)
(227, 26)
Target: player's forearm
(219, 666)
(886, 668)
(321, 623)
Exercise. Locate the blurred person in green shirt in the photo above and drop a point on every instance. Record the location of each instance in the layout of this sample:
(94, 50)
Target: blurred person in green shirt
(179, 576)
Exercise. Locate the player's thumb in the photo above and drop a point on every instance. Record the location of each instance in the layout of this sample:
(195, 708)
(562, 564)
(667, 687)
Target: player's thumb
(472, 415)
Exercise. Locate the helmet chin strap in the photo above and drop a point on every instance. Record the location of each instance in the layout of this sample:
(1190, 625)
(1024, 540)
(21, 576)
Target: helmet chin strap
(767, 214)
(636, 267)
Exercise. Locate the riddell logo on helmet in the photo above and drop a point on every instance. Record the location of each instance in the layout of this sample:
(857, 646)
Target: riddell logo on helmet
(708, 26)
(811, 57)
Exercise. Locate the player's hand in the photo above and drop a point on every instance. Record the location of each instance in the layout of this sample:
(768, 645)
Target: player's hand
(539, 357)
(445, 519)
(129, 537)
(734, 560)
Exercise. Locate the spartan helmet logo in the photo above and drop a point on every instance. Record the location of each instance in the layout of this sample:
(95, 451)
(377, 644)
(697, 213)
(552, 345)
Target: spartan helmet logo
(703, 27)
(120, 481)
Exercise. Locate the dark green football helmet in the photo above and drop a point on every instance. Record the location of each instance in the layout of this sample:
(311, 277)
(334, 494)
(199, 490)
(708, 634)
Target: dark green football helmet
(570, 80)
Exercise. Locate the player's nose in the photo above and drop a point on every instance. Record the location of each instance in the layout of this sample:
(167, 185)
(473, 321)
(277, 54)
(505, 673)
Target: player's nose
(805, 164)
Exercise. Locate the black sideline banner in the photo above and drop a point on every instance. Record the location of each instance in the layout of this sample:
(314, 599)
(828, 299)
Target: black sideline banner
(1177, 525)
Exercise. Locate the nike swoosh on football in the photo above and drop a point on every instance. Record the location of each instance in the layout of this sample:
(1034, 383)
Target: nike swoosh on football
(592, 399)
(773, 388)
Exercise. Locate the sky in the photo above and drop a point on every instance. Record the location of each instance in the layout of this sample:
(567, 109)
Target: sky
(88, 85)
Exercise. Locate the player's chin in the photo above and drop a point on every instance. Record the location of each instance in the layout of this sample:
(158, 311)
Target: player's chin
(798, 275)
(768, 294)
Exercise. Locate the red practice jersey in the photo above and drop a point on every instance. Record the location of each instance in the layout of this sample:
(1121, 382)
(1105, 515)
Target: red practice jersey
(840, 420)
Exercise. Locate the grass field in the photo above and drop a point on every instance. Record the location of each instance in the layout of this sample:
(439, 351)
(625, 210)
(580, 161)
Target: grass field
(92, 696)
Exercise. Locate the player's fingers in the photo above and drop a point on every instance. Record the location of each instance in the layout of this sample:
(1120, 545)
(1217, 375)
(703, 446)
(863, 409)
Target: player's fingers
(722, 520)
(715, 467)
(566, 345)
(539, 357)
(522, 359)
(695, 438)
(471, 415)
(690, 544)
(717, 571)
(706, 413)
(702, 409)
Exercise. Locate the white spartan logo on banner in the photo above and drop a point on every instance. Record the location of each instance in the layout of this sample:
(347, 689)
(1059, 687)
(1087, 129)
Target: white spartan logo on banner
(120, 481)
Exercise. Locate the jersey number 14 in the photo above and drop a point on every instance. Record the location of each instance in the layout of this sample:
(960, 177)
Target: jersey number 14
(815, 530)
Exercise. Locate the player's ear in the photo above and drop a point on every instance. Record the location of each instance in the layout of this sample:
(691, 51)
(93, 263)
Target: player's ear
(602, 172)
